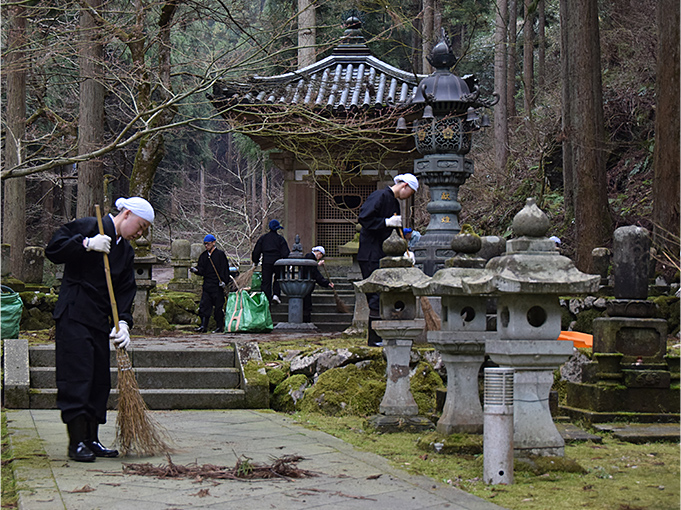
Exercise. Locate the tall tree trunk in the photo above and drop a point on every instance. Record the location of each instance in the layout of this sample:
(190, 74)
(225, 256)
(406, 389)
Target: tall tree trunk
(152, 147)
(91, 112)
(541, 43)
(666, 154)
(566, 135)
(593, 223)
(263, 187)
(512, 52)
(501, 110)
(14, 196)
(307, 35)
(528, 59)
(427, 34)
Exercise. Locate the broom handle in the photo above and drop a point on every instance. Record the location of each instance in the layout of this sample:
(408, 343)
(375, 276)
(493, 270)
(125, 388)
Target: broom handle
(107, 271)
(402, 236)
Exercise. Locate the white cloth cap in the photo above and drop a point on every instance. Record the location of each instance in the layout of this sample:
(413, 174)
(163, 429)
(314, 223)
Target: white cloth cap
(555, 239)
(320, 249)
(409, 179)
(137, 206)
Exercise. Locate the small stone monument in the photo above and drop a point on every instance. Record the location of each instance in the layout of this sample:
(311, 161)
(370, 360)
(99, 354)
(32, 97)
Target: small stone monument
(180, 260)
(360, 317)
(398, 327)
(630, 377)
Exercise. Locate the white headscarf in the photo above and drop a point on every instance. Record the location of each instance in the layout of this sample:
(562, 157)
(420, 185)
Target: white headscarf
(320, 249)
(137, 206)
(409, 179)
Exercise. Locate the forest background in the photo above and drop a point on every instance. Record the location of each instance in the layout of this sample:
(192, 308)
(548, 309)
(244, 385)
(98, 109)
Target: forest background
(102, 99)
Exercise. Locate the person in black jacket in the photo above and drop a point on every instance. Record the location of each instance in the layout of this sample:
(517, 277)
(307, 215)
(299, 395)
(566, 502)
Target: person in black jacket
(317, 254)
(271, 247)
(84, 314)
(214, 266)
(379, 215)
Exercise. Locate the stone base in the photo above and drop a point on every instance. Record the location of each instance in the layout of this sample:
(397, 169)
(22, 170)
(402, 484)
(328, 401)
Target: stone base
(295, 326)
(184, 286)
(384, 423)
(599, 403)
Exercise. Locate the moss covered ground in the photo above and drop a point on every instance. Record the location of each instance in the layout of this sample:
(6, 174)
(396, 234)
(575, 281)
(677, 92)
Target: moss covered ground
(9, 488)
(614, 475)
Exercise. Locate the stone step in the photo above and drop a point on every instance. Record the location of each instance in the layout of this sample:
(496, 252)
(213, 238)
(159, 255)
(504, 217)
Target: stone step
(331, 318)
(159, 399)
(43, 356)
(157, 377)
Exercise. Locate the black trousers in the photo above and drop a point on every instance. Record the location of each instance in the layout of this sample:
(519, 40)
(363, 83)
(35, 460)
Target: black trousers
(213, 298)
(83, 377)
(373, 298)
(267, 286)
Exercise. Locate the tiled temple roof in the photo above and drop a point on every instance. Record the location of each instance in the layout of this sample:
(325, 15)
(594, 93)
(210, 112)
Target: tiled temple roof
(348, 80)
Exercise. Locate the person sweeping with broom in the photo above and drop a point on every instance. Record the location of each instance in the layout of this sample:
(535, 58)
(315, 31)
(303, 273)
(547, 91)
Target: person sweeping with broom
(317, 254)
(83, 316)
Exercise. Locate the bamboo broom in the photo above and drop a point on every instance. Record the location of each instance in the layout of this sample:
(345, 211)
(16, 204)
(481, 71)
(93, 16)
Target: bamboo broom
(433, 322)
(340, 306)
(136, 431)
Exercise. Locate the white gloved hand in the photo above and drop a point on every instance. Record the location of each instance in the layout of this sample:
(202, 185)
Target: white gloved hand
(120, 338)
(410, 255)
(394, 221)
(222, 285)
(98, 243)
(194, 270)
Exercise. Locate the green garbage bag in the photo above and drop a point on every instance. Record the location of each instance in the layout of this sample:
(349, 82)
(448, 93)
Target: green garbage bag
(10, 310)
(248, 312)
(256, 281)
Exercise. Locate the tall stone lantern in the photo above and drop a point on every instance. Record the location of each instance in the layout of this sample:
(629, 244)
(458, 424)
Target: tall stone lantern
(398, 327)
(528, 281)
(443, 135)
(295, 279)
(461, 341)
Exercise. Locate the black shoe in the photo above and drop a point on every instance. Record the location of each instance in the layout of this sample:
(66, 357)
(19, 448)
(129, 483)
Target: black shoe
(95, 446)
(219, 330)
(100, 450)
(81, 453)
(78, 429)
(204, 325)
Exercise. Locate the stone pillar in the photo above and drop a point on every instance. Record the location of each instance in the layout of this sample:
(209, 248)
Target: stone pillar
(360, 317)
(180, 251)
(34, 260)
(631, 246)
(143, 278)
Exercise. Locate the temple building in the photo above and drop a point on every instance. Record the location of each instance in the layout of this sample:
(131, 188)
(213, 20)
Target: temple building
(357, 108)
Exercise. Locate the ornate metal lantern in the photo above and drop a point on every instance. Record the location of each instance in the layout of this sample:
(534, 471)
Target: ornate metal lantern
(451, 113)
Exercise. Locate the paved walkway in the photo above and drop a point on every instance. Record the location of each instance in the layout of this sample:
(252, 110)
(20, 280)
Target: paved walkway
(348, 478)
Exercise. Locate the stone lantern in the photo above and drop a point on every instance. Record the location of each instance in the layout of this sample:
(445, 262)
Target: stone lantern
(461, 341)
(528, 281)
(443, 136)
(295, 279)
(398, 327)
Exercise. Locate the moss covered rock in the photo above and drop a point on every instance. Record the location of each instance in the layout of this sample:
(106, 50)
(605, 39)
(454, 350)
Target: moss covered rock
(668, 309)
(423, 383)
(288, 393)
(349, 390)
(276, 376)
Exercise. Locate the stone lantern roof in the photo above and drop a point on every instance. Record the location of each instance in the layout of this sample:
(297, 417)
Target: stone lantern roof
(532, 264)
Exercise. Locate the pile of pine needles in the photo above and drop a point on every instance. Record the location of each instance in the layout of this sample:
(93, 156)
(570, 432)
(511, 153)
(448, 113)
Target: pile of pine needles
(136, 431)
(244, 469)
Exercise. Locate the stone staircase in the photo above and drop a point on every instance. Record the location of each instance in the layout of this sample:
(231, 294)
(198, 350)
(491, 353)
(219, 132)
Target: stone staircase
(168, 378)
(324, 311)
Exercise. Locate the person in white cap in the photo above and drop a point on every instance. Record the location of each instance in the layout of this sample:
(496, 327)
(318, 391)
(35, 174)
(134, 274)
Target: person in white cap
(84, 318)
(317, 254)
(379, 215)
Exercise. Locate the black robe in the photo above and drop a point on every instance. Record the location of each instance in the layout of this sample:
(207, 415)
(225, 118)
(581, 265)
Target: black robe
(381, 204)
(84, 316)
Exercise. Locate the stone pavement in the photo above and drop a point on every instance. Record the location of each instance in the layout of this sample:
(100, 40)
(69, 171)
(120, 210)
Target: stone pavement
(348, 478)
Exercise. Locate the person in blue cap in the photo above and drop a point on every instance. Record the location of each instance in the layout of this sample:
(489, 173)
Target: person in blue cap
(214, 266)
(411, 236)
(271, 247)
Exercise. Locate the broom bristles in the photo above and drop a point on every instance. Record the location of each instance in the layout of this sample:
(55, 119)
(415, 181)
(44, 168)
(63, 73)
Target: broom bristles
(243, 281)
(340, 306)
(136, 432)
(433, 322)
